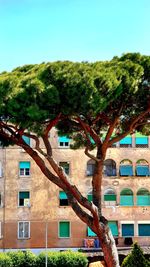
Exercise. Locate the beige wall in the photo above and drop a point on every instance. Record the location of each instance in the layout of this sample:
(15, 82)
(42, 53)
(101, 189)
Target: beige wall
(44, 196)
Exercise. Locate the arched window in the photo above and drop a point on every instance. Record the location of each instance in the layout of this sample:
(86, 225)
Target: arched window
(142, 168)
(143, 197)
(90, 167)
(109, 167)
(110, 196)
(126, 168)
(126, 197)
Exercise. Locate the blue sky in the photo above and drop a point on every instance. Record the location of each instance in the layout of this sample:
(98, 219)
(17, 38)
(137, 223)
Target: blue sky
(33, 31)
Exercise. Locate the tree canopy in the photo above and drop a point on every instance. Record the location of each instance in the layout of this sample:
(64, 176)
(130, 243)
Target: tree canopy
(96, 104)
(97, 93)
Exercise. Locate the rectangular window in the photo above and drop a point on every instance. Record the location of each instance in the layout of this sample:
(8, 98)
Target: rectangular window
(65, 166)
(113, 227)
(126, 170)
(144, 229)
(90, 232)
(24, 199)
(63, 141)
(126, 142)
(24, 168)
(64, 229)
(141, 140)
(127, 230)
(63, 200)
(23, 230)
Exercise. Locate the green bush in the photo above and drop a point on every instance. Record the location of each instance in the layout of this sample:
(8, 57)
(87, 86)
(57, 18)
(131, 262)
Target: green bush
(62, 259)
(135, 258)
(22, 259)
(5, 260)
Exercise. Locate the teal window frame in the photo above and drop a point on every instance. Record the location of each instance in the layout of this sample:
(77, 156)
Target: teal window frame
(24, 168)
(63, 199)
(22, 196)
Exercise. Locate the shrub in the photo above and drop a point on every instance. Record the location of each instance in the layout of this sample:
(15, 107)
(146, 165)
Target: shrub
(22, 259)
(135, 258)
(5, 260)
(62, 259)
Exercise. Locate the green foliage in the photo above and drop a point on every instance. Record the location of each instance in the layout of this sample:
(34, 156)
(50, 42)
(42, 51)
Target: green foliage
(22, 259)
(5, 260)
(62, 259)
(32, 95)
(135, 258)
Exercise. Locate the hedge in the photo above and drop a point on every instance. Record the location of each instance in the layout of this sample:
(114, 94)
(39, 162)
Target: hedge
(5, 260)
(54, 259)
(62, 259)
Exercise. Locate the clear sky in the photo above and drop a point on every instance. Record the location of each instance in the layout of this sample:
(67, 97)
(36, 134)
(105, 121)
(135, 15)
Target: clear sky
(33, 31)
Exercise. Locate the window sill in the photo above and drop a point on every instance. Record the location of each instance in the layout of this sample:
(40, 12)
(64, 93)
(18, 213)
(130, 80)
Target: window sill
(25, 238)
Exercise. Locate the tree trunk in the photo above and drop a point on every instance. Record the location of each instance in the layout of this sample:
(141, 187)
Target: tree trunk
(109, 248)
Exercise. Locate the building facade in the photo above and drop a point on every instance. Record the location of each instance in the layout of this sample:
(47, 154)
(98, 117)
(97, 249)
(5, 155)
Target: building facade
(34, 213)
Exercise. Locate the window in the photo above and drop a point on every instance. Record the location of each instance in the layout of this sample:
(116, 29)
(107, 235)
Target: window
(126, 197)
(109, 167)
(64, 229)
(113, 227)
(126, 142)
(126, 168)
(127, 229)
(24, 168)
(110, 197)
(63, 200)
(143, 197)
(90, 167)
(142, 168)
(90, 197)
(23, 230)
(24, 199)
(26, 139)
(144, 229)
(65, 166)
(63, 141)
(141, 140)
(90, 232)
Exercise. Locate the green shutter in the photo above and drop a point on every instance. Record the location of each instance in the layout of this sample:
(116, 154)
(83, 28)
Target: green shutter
(62, 195)
(23, 195)
(90, 232)
(144, 229)
(64, 229)
(143, 200)
(126, 200)
(24, 165)
(113, 227)
(109, 197)
(90, 197)
(127, 230)
(64, 139)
